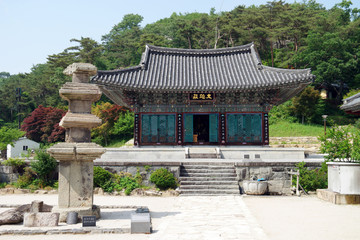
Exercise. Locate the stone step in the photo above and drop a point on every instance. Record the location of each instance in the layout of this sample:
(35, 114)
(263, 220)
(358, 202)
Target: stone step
(209, 192)
(206, 178)
(208, 167)
(210, 187)
(202, 155)
(215, 162)
(214, 175)
(183, 183)
(185, 171)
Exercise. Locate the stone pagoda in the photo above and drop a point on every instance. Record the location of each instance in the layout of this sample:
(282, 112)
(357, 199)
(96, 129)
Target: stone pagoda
(77, 153)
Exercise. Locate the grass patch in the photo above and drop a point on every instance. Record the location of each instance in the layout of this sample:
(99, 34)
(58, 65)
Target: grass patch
(286, 129)
(116, 143)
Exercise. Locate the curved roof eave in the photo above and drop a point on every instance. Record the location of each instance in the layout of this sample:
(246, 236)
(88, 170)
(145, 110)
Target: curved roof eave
(227, 66)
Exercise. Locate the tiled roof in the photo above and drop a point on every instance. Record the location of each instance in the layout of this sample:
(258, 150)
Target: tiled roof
(351, 104)
(235, 68)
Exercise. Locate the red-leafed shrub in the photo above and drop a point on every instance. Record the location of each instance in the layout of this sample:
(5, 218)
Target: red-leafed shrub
(109, 114)
(43, 125)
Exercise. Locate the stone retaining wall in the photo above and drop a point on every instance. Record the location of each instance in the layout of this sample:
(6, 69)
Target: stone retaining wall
(294, 140)
(276, 174)
(7, 174)
(145, 169)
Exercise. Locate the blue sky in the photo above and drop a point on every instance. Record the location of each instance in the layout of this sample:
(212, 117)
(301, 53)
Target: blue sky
(30, 30)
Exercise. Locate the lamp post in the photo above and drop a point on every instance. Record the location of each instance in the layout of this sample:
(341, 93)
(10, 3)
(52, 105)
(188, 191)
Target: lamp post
(324, 117)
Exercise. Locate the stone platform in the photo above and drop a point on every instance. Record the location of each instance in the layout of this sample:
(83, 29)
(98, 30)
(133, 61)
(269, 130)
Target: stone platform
(226, 153)
(337, 198)
(212, 176)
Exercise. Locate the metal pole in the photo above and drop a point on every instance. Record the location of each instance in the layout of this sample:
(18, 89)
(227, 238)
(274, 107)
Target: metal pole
(297, 183)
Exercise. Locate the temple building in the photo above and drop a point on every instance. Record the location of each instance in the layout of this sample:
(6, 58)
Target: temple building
(201, 97)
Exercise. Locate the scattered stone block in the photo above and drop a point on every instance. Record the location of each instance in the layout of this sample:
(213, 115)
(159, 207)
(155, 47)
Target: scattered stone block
(11, 216)
(16, 215)
(6, 191)
(41, 219)
(141, 221)
(21, 191)
(36, 206)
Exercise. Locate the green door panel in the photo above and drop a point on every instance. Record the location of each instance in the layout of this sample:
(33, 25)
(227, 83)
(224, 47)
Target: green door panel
(154, 128)
(213, 127)
(256, 128)
(188, 123)
(171, 128)
(231, 127)
(244, 128)
(145, 128)
(157, 128)
(162, 128)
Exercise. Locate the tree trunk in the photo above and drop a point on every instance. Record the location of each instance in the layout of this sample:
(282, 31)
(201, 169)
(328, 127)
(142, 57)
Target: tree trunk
(3, 154)
(272, 53)
(189, 41)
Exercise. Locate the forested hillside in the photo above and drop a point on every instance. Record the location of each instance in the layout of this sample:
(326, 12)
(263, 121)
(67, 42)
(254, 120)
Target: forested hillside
(298, 35)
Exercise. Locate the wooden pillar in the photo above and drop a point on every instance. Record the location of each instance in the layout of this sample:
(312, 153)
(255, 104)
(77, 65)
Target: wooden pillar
(179, 129)
(222, 129)
(266, 129)
(136, 129)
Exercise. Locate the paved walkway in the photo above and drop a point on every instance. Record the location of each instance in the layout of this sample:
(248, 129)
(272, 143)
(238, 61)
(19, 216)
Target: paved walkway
(216, 217)
(225, 217)
(211, 217)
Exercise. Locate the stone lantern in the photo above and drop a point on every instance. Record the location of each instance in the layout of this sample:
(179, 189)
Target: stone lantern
(77, 154)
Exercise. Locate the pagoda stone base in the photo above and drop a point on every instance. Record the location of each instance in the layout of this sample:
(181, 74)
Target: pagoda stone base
(82, 211)
(76, 184)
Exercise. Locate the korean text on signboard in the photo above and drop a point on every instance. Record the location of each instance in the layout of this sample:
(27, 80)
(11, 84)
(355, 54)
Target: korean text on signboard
(202, 96)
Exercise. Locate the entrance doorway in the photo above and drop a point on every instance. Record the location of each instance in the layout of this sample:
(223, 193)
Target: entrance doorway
(201, 128)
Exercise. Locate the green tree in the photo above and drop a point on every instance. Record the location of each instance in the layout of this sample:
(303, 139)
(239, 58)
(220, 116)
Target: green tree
(44, 166)
(304, 105)
(8, 136)
(109, 114)
(121, 43)
(333, 60)
(124, 126)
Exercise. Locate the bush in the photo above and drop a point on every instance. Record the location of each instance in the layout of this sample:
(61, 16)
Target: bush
(44, 167)
(126, 181)
(281, 113)
(101, 177)
(340, 143)
(17, 163)
(339, 120)
(26, 179)
(314, 179)
(163, 179)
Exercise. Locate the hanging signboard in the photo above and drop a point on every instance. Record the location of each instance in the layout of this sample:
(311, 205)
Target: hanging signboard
(202, 96)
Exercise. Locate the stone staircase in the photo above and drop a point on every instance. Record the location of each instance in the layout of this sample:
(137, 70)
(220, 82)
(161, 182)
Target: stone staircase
(202, 153)
(208, 178)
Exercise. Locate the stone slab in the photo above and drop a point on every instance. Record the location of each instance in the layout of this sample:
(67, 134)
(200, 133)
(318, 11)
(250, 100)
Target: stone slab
(41, 219)
(337, 198)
